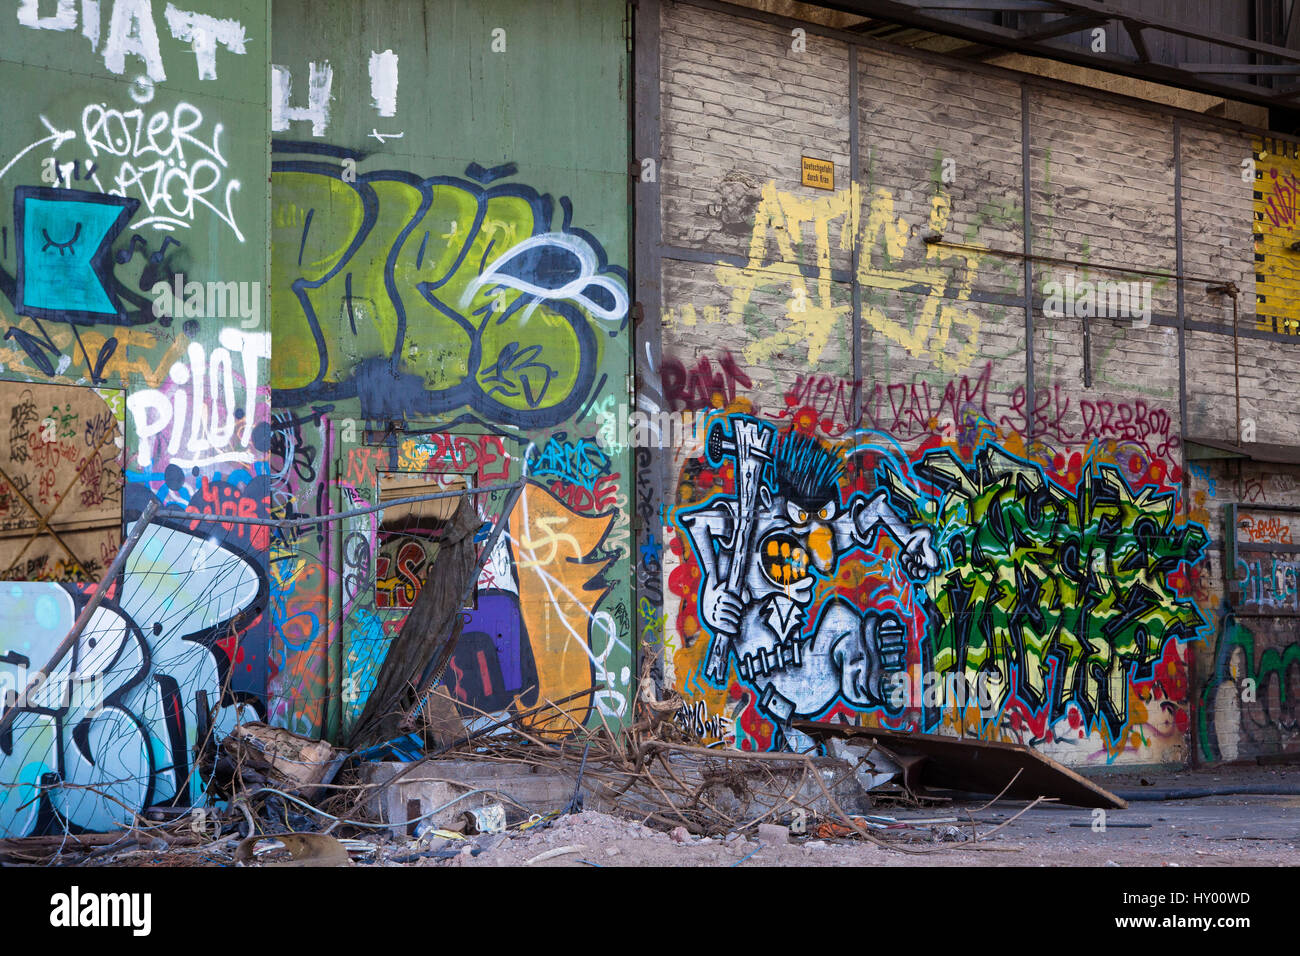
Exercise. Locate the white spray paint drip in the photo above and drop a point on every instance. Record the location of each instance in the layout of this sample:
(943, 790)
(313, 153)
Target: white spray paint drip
(383, 82)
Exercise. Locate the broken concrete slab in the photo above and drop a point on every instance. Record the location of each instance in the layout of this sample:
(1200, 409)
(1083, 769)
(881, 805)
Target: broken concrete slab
(288, 760)
(436, 785)
(725, 788)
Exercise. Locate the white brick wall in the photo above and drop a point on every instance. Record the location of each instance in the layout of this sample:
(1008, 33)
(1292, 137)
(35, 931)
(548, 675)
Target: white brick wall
(738, 111)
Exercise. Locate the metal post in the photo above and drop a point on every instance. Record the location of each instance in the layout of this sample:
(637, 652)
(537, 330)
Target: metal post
(1027, 244)
(334, 516)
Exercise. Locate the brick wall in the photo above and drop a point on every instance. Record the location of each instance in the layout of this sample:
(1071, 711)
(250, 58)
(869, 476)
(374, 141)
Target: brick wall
(828, 313)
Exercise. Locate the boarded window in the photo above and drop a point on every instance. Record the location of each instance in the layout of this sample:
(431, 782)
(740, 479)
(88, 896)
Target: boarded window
(407, 540)
(60, 481)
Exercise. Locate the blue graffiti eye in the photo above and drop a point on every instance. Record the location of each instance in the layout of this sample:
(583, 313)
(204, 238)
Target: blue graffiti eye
(61, 246)
(601, 296)
(549, 266)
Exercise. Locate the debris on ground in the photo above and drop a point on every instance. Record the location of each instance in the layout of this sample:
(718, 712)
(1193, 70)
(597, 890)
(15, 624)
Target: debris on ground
(302, 849)
(265, 755)
(509, 793)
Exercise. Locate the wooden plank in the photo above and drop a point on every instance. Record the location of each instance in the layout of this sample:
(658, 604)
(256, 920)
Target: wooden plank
(61, 459)
(982, 766)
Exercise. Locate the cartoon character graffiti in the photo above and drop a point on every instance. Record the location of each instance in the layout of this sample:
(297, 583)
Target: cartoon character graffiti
(762, 553)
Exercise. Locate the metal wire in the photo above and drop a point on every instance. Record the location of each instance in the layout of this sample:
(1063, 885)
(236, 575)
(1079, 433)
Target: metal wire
(175, 515)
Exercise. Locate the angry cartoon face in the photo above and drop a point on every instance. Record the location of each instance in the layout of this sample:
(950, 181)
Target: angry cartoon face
(795, 536)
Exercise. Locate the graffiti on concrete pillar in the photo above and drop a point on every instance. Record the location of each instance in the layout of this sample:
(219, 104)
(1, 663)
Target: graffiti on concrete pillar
(421, 296)
(111, 729)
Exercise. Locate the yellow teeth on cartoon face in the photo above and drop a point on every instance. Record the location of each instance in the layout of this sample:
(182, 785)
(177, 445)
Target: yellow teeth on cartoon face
(785, 560)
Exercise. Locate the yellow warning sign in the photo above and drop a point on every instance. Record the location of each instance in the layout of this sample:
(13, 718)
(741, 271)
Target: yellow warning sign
(818, 173)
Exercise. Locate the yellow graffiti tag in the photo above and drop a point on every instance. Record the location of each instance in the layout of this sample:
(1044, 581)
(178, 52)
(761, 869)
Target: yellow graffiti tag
(1277, 218)
(133, 360)
(940, 286)
(780, 216)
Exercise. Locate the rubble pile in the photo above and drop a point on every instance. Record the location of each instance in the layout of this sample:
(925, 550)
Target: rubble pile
(281, 800)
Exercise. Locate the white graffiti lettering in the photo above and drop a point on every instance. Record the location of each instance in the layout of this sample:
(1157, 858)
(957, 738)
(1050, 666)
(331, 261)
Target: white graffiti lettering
(132, 31)
(169, 168)
(207, 395)
(317, 111)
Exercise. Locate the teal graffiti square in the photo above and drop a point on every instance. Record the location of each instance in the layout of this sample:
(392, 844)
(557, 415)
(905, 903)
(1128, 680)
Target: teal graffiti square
(64, 239)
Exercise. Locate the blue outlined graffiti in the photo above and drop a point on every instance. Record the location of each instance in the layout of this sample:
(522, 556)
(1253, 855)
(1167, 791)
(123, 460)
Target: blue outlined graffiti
(1046, 596)
(765, 553)
(113, 728)
(448, 294)
(64, 272)
(582, 462)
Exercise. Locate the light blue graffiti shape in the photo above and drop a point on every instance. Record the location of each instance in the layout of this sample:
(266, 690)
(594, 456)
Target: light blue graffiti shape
(95, 738)
(555, 265)
(64, 242)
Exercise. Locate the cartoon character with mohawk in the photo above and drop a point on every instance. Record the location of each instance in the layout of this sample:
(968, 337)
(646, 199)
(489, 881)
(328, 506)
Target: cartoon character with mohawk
(761, 553)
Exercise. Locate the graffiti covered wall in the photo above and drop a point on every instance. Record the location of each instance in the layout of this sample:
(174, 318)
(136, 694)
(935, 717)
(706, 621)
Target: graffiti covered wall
(931, 488)
(132, 276)
(907, 478)
(451, 303)
(1249, 668)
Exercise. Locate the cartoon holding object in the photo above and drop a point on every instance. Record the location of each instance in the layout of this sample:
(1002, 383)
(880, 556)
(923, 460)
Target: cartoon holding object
(761, 552)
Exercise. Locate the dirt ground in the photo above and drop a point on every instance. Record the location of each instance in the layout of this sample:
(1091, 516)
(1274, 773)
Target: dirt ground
(1232, 830)
(1241, 830)
(1039, 839)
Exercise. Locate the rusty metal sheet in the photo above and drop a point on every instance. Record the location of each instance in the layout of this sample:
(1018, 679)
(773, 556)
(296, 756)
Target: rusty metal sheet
(982, 766)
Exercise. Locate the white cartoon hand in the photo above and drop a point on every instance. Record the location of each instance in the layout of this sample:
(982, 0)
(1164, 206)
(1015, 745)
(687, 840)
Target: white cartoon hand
(919, 559)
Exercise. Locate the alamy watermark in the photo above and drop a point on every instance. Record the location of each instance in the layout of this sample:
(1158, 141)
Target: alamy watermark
(947, 690)
(1103, 298)
(208, 300)
(624, 427)
(77, 909)
(59, 691)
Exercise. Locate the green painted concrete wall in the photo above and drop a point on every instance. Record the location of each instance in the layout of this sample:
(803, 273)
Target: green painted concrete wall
(450, 296)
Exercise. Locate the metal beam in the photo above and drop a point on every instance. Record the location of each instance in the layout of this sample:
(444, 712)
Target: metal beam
(1060, 27)
(995, 6)
(650, 483)
(1177, 29)
(1139, 44)
(1248, 69)
(975, 27)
